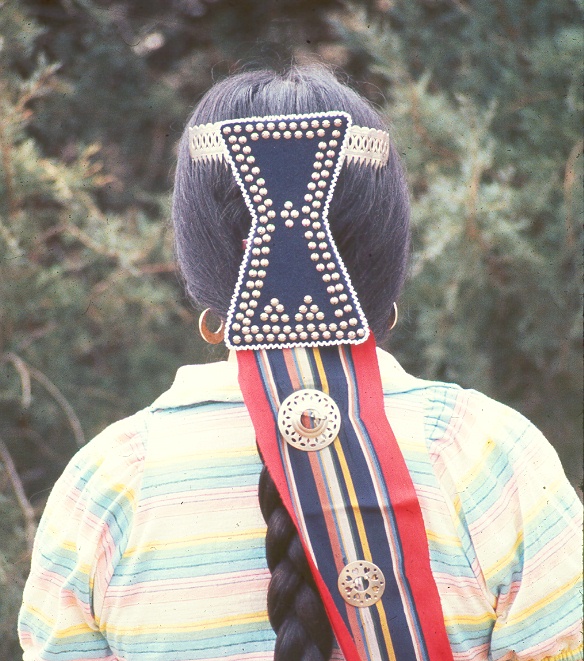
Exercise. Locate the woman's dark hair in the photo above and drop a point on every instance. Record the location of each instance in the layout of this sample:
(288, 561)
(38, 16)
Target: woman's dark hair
(369, 219)
(369, 212)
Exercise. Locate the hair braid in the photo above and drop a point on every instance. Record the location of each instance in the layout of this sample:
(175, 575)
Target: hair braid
(295, 608)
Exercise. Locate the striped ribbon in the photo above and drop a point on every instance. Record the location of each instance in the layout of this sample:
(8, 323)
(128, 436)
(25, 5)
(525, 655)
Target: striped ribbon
(353, 500)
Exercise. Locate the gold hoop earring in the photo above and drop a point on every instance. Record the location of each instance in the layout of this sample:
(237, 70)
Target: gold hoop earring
(212, 337)
(394, 315)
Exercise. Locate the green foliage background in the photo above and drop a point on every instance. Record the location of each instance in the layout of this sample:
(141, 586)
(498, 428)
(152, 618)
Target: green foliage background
(486, 103)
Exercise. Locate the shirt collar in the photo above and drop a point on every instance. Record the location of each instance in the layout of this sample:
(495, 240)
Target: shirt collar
(217, 382)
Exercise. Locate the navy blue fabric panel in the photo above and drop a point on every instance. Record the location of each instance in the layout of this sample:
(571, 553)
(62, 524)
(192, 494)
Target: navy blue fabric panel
(291, 258)
(286, 165)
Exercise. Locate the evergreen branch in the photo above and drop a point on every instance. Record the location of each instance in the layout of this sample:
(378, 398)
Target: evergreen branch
(40, 241)
(126, 263)
(19, 492)
(6, 149)
(26, 372)
(168, 267)
(525, 101)
(88, 242)
(102, 286)
(459, 5)
(62, 401)
(155, 157)
(184, 313)
(100, 393)
(422, 131)
(66, 225)
(503, 14)
(21, 367)
(36, 88)
(10, 239)
(569, 178)
(146, 269)
(478, 166)
(472, 231)
(36, 335)
(41, 445)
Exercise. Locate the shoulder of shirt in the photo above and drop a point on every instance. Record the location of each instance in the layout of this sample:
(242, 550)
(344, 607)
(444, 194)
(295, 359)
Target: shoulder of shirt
(444, 407)
(110, 464)
(196, 385)
(122, 443)
(216, 384)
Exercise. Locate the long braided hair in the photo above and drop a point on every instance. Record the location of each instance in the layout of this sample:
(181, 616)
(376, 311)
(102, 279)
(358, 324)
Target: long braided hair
(295, 608)
(369, 219)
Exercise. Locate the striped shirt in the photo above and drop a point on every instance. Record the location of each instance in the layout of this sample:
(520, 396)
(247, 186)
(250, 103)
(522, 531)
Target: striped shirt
(151, 546)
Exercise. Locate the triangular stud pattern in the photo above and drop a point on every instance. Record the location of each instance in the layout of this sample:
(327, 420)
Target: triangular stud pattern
(293, 288)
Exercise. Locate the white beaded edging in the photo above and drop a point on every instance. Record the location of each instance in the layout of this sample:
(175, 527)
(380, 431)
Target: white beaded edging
(324, 217)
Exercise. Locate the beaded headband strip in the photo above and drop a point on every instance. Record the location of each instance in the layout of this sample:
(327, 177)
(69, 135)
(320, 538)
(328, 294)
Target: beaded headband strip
(364, 146)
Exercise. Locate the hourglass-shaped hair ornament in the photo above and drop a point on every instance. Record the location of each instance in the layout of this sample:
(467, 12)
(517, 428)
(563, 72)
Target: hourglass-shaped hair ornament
(293, 288)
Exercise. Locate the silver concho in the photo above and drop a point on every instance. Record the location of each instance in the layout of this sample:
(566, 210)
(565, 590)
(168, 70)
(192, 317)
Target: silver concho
(309, 420)
(361, 583)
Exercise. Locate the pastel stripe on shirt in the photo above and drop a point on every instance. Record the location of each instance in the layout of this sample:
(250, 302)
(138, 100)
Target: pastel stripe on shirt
(152, 542)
